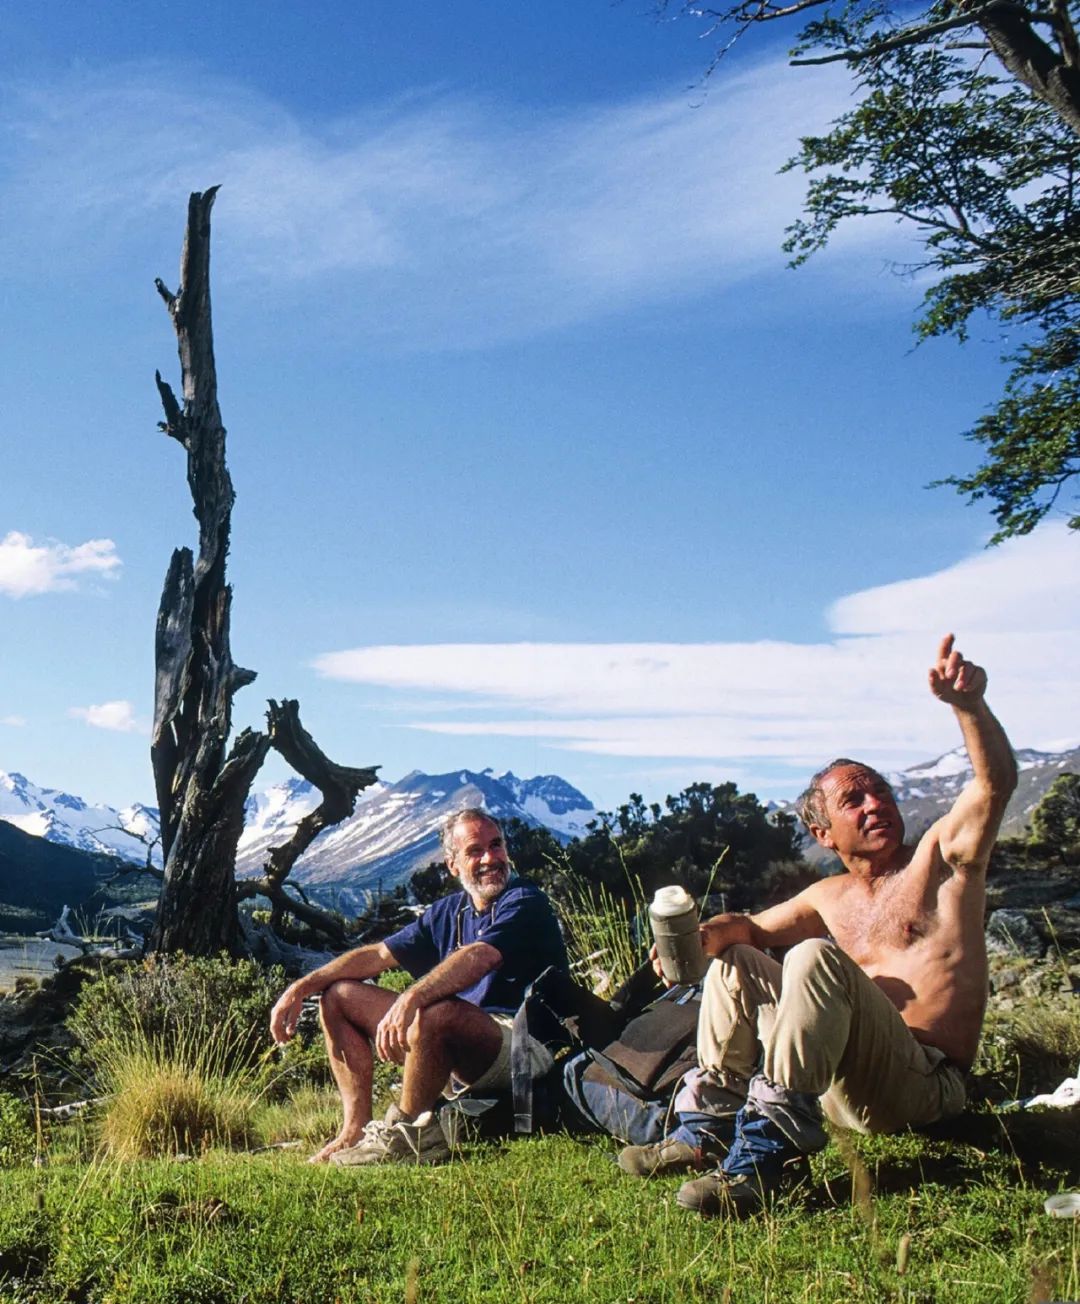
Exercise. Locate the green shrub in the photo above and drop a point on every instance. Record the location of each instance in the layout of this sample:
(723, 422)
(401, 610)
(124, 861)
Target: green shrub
(16, 1131)
(179, 1000)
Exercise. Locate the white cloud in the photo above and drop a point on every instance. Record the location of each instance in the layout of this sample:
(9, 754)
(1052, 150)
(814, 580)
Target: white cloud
(119, 717)
(1030, 585)
(13, 721)
(783, 703)
(436, 216)
(27, 568)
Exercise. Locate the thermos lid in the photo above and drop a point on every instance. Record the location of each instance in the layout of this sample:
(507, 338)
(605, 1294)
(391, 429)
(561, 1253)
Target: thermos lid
(671, 901)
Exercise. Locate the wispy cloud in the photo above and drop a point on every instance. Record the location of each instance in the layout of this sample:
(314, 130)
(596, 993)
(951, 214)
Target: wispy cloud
(28, 568)
(460, 220)
(13, 721)
(119, 717)
(1016, 609)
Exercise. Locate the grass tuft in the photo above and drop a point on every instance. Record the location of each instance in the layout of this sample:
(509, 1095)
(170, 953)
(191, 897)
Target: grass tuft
(161, 1104)
(599, 937)
(311, 1114)
(1032, 1047)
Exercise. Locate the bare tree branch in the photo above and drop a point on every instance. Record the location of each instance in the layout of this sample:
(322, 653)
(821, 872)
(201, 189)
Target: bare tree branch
(339, 785)
(912, 36)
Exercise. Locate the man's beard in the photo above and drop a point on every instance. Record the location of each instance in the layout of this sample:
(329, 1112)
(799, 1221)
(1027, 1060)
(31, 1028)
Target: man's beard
(488, 886)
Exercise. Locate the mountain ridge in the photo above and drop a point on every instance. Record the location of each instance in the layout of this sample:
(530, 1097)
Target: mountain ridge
(395, 828)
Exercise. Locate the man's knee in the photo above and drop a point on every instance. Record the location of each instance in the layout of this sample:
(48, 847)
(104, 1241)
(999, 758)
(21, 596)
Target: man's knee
(438, 1022)
(350, 1001)
(815, 958)
(736, 960)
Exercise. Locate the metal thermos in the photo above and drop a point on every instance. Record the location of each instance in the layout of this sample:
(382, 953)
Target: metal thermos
(674, 919)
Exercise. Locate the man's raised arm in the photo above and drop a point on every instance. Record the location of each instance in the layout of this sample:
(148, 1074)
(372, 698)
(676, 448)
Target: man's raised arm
(968, 832)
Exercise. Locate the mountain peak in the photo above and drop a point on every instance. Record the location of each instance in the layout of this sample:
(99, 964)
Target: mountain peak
(397, 830)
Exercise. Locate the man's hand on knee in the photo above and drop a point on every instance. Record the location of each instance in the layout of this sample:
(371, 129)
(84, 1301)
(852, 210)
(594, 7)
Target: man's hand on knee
(392, 1033)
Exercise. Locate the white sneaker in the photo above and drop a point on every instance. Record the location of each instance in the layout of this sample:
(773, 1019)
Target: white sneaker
(398, 1142)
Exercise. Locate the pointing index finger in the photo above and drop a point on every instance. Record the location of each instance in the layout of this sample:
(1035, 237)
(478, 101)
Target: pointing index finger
(946, 647)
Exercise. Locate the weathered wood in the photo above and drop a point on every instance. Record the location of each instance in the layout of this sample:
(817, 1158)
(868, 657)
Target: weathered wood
(339, 785)
(201, 789)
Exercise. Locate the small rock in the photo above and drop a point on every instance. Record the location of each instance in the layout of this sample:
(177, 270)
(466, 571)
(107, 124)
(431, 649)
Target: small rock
(1010, 932)
(1003, 979)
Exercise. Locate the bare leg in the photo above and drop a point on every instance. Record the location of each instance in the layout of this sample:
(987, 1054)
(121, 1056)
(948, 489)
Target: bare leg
(450, 1036)
(350, 1012)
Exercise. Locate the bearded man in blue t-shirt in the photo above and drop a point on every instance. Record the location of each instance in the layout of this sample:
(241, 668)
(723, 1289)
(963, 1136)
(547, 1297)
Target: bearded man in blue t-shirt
(472, 955)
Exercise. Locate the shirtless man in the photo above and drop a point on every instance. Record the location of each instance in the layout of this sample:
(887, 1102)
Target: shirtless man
(876, 1012)
(472, 955)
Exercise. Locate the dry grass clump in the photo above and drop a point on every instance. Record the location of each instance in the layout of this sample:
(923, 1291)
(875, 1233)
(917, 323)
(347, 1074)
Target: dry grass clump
(599, 936)
(1031, 1048)
(163, 1102)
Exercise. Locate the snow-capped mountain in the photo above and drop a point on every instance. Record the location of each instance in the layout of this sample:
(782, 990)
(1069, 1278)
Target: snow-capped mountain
(395, 828)
(69, 821)
(925, 792)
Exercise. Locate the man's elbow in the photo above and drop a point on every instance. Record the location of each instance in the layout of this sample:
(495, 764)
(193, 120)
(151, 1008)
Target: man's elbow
(485, 957)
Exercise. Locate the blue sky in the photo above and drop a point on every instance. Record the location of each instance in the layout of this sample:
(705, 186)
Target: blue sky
(544, 460)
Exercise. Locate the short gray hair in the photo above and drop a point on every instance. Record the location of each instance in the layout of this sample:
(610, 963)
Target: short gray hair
(457, 817)
(810, 805)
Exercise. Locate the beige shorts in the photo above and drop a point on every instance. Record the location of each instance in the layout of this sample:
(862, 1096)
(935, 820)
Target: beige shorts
(497, 1075)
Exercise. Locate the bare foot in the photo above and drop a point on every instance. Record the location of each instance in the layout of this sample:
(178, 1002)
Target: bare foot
(341, 1142)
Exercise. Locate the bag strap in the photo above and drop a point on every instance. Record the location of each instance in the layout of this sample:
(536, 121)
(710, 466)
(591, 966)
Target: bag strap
(521, 1083)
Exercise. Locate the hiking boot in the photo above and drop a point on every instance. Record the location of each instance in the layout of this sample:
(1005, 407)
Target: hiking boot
(399, 1142)
(774, 1132)
(665, 1157)
(740, 1195)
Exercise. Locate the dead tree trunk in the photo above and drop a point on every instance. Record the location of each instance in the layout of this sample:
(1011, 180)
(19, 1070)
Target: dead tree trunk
(201, 787)
(201, 784)
(339, 785)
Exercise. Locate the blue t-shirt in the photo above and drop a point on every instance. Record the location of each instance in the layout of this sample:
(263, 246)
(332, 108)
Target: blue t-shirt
(520, 924)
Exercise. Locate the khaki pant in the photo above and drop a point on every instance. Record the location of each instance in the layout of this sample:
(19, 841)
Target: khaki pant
(825, 1028)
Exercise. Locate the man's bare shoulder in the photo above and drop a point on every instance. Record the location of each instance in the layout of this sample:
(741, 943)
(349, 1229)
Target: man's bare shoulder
(828, 890)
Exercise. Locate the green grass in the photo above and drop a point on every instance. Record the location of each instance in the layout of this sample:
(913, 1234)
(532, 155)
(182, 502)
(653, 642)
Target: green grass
(956, 1215)
(532, 1220)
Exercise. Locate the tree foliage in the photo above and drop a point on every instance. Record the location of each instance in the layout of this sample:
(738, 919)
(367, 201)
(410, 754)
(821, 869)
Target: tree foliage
(709, 839)
(1055, 822)
(966, 126)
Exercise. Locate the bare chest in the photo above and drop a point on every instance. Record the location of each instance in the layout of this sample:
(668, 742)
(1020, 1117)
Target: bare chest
(891, 915)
